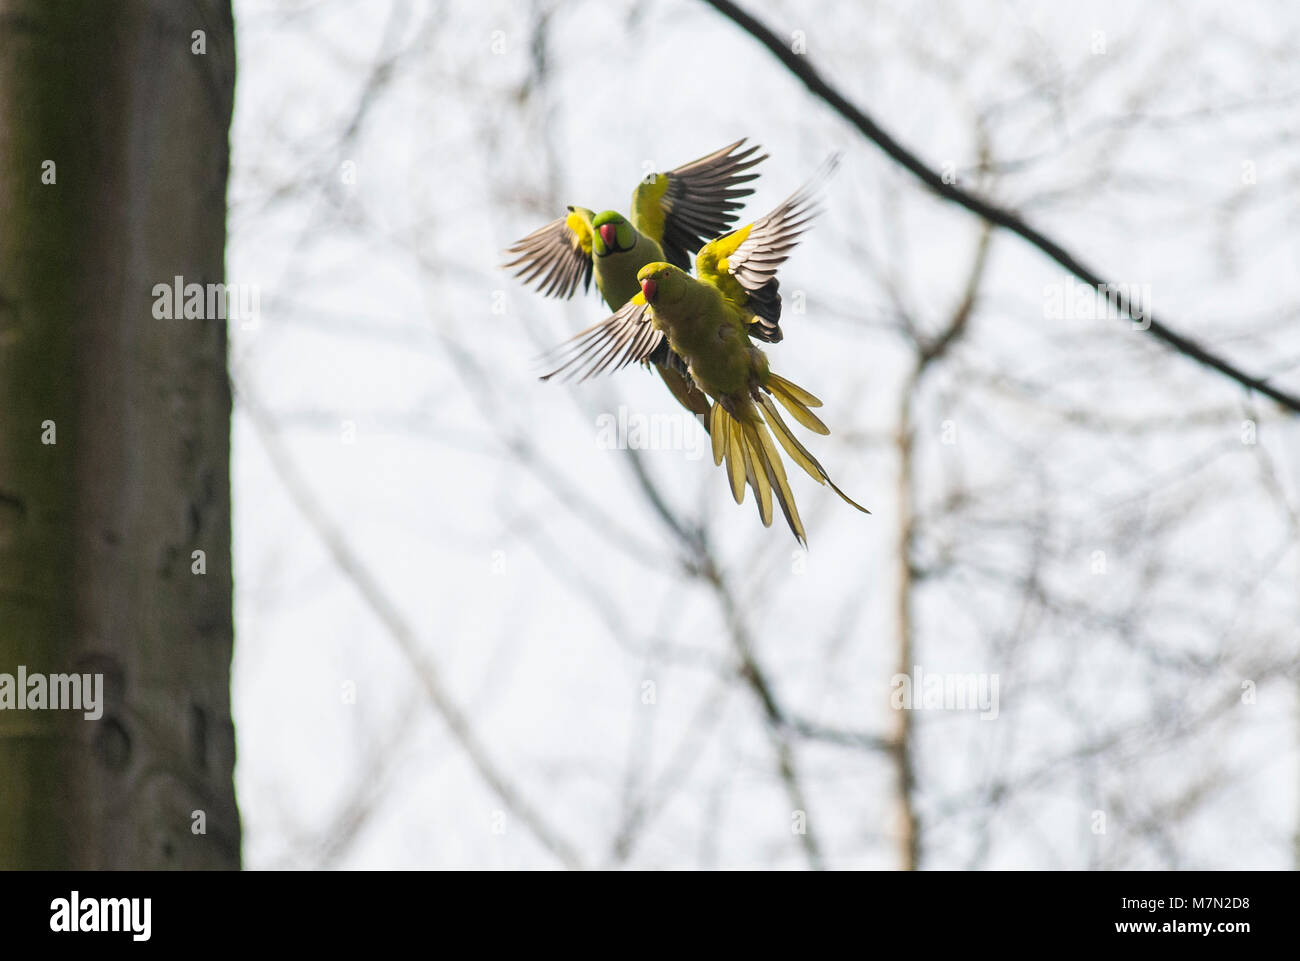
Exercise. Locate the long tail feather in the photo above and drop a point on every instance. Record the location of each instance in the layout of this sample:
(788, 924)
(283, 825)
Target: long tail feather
(797, 401)
(779, 483)
(752, 479)
(794, 390)
(759, 471)
(718, 433)
(736, 457)
(800, 454)
(745, 443)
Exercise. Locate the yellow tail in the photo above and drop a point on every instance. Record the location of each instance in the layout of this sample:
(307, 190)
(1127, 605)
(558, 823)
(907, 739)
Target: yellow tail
(745, 444)
(797, 401)
(752, 458)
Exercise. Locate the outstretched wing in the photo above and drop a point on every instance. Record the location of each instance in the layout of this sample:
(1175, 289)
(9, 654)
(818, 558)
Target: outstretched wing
(625, 337)
(685, 207)
(744, 263)
(558, 256)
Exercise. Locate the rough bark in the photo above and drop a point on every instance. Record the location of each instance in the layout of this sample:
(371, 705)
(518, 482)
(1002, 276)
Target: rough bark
(97, 530)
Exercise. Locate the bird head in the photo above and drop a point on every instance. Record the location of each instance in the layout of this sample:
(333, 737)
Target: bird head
(612, 233)
(662, 283)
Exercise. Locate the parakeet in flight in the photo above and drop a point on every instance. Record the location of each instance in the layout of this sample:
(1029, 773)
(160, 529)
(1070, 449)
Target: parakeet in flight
(673, 213)
(710, 322)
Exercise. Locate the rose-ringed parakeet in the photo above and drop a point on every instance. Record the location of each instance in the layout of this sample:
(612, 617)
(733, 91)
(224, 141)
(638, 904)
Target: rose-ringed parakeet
(710, 323)
(673, 213)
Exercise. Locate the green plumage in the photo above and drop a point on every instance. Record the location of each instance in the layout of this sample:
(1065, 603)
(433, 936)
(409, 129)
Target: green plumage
(708, 323)
(673, 213)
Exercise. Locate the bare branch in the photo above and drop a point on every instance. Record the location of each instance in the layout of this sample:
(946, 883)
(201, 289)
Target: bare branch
(800, 66)
(351, 566)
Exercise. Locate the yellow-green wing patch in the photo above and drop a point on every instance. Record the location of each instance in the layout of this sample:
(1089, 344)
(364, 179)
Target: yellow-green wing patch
(683, 208)
(557, 257)
(743, 264)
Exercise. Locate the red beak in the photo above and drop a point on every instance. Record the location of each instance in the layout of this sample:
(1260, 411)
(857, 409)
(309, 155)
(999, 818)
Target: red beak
(648, 289)
(609, 233)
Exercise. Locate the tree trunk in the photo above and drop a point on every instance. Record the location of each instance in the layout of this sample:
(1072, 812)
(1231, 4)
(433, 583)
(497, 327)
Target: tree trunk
(115, 433)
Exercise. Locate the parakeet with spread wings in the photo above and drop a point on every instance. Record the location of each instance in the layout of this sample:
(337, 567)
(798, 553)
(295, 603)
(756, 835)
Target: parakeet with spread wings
(710, 321)
(673, 213)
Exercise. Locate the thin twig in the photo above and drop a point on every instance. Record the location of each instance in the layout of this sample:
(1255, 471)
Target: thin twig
(801, 67)
(352, 567)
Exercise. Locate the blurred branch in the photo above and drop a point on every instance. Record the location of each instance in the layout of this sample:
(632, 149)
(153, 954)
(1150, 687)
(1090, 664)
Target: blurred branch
(382, 606)
(800, 66)
(703, 565)
(928, 351)
(777, 721)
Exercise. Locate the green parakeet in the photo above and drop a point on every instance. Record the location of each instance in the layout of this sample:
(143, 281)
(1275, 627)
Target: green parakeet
(673, 213)
(710, 322)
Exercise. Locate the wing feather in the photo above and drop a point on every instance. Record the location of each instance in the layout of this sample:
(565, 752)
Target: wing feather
(695, 202)
(753, 254)
(771, 238)
(555, 257)
(625, 337)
